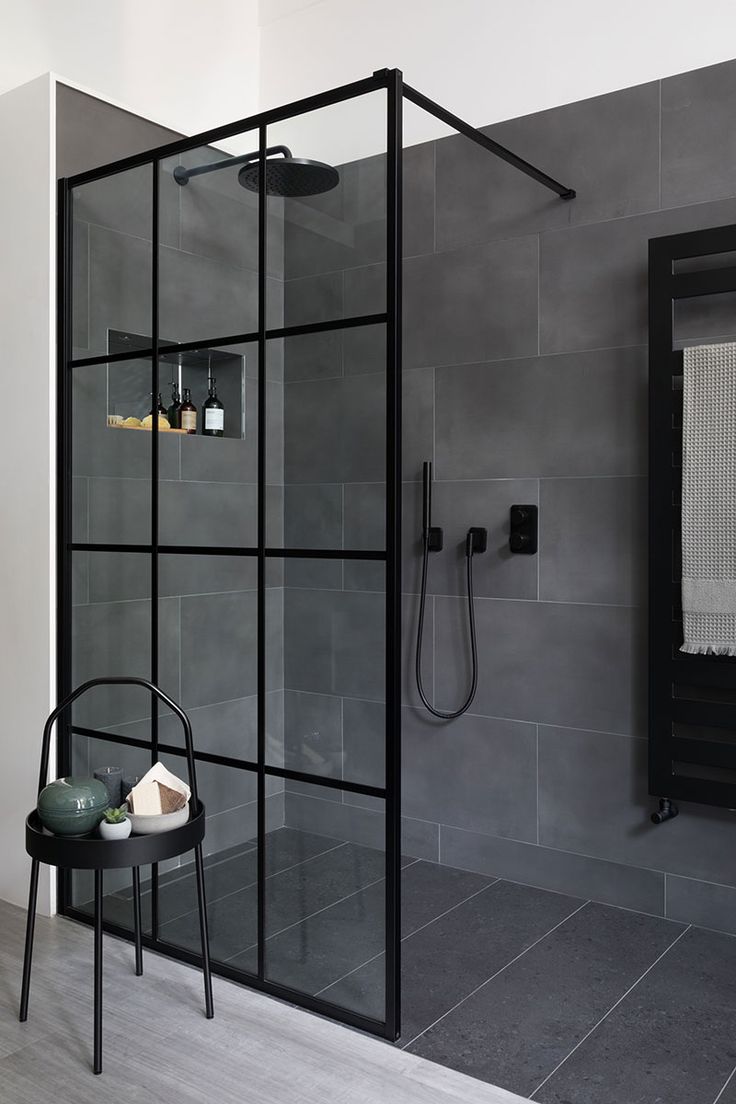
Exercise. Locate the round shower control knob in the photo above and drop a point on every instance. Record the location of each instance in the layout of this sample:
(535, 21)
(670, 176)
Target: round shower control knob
(518, 542)
(519, 515)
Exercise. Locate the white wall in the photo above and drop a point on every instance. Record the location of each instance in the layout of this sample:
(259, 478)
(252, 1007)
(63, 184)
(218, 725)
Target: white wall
(486, 60)
(27, 447)
(182, 63)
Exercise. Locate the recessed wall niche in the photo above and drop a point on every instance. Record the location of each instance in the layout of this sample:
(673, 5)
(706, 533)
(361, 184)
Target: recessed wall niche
(129, 384)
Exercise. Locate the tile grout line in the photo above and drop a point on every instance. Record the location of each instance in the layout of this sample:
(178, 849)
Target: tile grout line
(410, 935)
(725, 1086)
(610, 1010)
(318, 912)
(499, 971)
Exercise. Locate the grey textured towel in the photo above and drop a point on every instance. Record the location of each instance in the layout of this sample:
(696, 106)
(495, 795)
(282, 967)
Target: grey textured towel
(709, 499)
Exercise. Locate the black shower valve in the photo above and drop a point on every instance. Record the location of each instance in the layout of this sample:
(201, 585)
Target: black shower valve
(523, 529)
(435, 538)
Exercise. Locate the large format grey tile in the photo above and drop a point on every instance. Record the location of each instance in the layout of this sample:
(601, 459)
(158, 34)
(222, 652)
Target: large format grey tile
(698, 157)
(449, 958)
(120, 286)
(607, 148)
(541, 1006)
(593, 798)
(313, 298)
(555, 663)
(458, 505)
(583, 414)
(593, 540)
(492, 786)
(613, 883)
(213, 514)
(218, 647)
(114, 637)
(313, 734)
(334, 642)
(671, 1039)
(475, 303)
(593, 279)
(705, 903)
(326, 816)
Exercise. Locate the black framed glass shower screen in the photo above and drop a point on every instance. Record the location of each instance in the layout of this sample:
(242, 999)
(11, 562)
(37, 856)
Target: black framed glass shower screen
(254, 576)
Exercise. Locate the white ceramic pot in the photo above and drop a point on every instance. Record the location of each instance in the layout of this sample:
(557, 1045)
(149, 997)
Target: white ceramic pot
(115, 831)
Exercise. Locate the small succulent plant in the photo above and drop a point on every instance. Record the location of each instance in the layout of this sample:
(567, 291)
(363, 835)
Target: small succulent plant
(116, 816)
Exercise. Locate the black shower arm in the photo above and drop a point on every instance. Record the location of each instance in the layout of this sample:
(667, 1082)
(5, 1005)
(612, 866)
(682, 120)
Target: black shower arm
(182, 175)
(118, 680)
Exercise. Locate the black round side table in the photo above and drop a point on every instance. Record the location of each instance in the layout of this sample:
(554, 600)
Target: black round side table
(93, 853)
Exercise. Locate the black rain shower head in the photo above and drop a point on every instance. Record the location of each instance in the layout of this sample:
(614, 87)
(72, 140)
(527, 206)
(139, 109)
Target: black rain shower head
(290, 177)
(286, 176)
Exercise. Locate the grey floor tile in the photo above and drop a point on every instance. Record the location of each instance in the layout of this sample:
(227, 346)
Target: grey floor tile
(518, 1027)
(446, 960)
(671, 1038)
(697, 902)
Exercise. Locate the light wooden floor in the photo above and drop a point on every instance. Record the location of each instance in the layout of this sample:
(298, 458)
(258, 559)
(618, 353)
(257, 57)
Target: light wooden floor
(159, 1048)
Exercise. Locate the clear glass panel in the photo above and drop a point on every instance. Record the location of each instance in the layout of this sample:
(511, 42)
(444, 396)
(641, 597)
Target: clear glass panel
(111, 635)
(111, 460)
(211, 499)
(230, 800)
(331, 647)
(333, 437)
(111, 259)
(334, 211)
(325, 908)
(212, 652)
(208, 261)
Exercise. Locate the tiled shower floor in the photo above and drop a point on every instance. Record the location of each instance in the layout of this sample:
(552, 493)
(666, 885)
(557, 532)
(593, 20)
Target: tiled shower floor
(558, 999)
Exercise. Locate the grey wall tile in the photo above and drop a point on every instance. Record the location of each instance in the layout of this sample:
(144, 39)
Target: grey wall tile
(80, 288)
(703, 903)
(313, 299)
(202, 299)
(212, 514)
(596, 879)
(334, 642)
(222, 223)
(313, 519)
(593, 541)
(593, 798)
(120, 286)
(114, 638)
(547, 662)
(332, 818)
(420, 839)
(364, 745)
(117, 576)
(313, 356)
(313, 734)
(120, 510)
(698, 156)
(218, 648)
(492, 784)
(580, 414)
(606, 148)
(409, 626)
(585, 304)
(446, 315)
(123, 202)
(497, 573)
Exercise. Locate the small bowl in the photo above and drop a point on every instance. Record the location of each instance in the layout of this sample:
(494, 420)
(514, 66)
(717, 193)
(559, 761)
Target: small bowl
(151, 824)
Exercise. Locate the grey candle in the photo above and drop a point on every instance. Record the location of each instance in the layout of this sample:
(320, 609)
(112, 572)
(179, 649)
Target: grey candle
(113, 780)
(129, 782)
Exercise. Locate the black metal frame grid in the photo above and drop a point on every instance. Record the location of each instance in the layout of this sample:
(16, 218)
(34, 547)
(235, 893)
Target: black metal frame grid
(391, 82)
(687, 693)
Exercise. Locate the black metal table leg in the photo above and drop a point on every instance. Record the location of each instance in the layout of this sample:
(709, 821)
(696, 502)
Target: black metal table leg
(97, 1068)
(137, 920)
(28, 954)
(209, 1004)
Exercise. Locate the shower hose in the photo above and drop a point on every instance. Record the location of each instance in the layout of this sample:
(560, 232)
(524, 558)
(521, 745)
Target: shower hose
(443, 714)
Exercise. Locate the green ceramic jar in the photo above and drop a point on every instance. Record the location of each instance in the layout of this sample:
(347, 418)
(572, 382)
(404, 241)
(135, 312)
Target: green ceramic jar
(72, 806)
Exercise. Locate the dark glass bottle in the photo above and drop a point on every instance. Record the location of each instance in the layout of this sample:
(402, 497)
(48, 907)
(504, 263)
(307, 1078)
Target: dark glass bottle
(174, 411)
(188, 413)
(213, 413)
